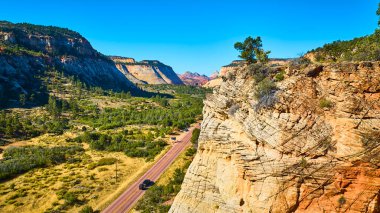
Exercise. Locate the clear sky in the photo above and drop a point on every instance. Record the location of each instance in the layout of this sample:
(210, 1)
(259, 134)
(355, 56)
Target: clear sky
(198, 35)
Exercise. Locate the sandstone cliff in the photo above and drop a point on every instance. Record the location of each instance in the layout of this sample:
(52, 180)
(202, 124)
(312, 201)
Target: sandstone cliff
(27, 51)
(147, 71)
(231, 67)
(309, 145)
(194, 79)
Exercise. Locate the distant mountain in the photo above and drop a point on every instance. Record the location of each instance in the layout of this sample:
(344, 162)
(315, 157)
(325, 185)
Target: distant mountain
(146, 72)
(194, 79)
(214, 75)
(27, 51)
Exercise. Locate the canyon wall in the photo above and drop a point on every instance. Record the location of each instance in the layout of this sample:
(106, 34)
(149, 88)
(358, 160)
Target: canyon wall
(311, 145)
(27, 51)
(147, 71)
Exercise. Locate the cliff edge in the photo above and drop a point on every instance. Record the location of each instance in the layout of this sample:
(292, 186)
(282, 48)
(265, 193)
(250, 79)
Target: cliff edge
(147, 71)
(297, 138)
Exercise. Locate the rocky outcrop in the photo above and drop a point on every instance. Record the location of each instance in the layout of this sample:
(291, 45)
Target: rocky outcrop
(313, 149)
(231, 67)
(194, 79)
(147, 71)
(27, 51)
(213, 83)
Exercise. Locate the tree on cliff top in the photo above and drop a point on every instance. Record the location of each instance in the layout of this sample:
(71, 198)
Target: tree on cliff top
(251, 50)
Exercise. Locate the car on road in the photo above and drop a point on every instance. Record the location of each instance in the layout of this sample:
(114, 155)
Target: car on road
(145, 184)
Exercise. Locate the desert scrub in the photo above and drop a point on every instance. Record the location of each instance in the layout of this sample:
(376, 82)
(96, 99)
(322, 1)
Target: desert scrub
(265, 94)
(102, 162)
(325, 103)
(142, 146)
(280, 76)
(18, 160)
(86, 209)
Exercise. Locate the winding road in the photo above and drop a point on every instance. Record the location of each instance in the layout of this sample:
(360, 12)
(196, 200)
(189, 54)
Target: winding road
(129, 198)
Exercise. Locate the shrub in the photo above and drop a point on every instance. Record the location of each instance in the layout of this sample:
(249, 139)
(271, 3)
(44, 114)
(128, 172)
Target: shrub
(264, 88)
(280, 76)
(71, 199)
(156, 196)
(102, 169)
(195, 135)
(190, 152)
(325, 103)
(102, 162)
(86, 209)
(342, 200)
(265, 94)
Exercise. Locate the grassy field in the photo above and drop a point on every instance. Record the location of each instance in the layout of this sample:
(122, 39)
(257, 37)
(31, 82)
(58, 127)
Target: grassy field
(39, 190)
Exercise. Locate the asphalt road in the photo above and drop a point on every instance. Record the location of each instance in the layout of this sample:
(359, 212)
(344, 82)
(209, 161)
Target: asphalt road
(129, 198)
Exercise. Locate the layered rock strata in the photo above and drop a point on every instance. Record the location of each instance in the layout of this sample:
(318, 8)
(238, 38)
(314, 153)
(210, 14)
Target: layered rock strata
(314, 149)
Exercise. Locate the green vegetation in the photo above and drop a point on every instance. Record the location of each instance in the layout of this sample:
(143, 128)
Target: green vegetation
(133, 146)
(366, 48)
(325, 103)
(156, 197)
(178, 89)
(190, 152)
(86, 209)
(251, 50)
(17, 125)
(18, 160)
(195, 136)
(342, 200)
(279, 76)
(59, 113)
(265, 88)
(102, 162)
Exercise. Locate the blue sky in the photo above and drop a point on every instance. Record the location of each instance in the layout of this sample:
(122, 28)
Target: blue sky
(198, 35)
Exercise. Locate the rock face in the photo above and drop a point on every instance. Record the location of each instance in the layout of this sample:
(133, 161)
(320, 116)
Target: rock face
(213, 83)
(231, 67)
(194, 79)
(316, 149)
(27, 51)
(147, 71)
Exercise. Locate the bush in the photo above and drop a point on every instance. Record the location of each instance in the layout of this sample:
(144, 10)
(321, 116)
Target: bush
(265, 94)
(342, 200)
(71, 199)
(190, 152)
(264, 88)
(365, 48)
(86, 209)
(195, 135)
(325, 103)
(156, 196)
(280, 76)
(102, 162)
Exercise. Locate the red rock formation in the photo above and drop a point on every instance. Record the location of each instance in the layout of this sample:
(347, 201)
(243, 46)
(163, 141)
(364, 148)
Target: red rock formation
(193, 79)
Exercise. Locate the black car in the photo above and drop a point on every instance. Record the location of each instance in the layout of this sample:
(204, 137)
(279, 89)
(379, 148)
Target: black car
(146, 184)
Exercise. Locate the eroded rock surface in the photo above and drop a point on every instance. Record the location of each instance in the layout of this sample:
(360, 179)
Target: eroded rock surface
(315, 150)
(147, 71)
